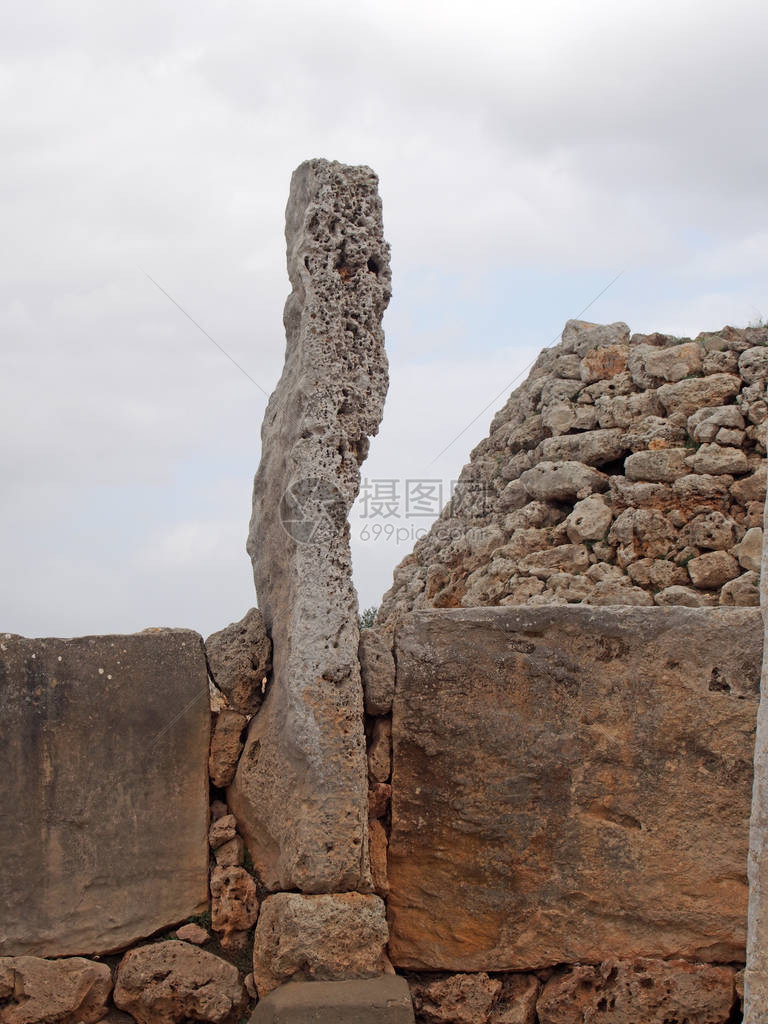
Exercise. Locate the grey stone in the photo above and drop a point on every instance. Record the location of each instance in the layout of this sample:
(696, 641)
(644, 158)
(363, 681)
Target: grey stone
(686, 396)
(590, 520)
(378, 671)
(753, 364)
(744, 591)
(592, 447)
(240, 660)
(562, 481)
(546, 810)
(384, 1000)
(681, 595)
(714, 460)
(750, 550)
(579, 336)
(97, 848)
(663, 465)
(712, 569)
(300, 793)
(650, 366)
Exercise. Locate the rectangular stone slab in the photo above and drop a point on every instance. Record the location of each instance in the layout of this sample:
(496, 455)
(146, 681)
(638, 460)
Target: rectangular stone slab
(384, 1000)
(571, 784)
(103, 789)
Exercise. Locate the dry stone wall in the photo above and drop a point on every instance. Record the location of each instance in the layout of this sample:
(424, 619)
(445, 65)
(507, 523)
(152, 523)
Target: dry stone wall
(626, 470)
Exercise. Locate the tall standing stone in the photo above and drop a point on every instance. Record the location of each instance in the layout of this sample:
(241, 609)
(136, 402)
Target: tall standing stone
(300, 789)
(756, 973)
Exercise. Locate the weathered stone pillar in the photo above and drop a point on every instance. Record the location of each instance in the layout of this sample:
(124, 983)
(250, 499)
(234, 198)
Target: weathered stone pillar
(756, 974)
(300, 792)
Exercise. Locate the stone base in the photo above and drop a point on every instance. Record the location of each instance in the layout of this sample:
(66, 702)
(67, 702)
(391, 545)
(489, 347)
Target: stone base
(384, 1000)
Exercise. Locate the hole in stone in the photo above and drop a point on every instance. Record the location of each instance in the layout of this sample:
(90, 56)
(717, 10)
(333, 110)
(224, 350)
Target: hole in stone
(373, 266)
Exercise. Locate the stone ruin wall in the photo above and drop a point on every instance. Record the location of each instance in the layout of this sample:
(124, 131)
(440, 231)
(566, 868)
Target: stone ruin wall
(626, 470)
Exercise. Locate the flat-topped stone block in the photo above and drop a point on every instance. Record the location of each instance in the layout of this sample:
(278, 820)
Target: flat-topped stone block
(384, 1000)
(103, 789)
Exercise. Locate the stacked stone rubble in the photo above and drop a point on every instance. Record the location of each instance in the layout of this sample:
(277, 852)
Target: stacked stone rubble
(625, 470)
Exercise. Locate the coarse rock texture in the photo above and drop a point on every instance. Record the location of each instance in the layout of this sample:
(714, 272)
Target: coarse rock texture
(384, 1000)
(377, 667)
(474, 998)
(70, 991)
(173, 982)
(104, 812)
(331, 937)
(193, 933)
(240, 661)
(613, 450)
(300, 793)
(226, 745)
(571, 784)
(234, 901)
(651, 991)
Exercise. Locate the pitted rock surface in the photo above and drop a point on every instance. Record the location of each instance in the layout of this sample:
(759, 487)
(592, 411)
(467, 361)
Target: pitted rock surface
(300, 793)
(667, 429)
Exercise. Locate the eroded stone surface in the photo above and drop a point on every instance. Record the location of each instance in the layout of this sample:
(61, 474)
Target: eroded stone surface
(331, 937)
(300, 793)
(98, 848)
(614, 824)
(240, 660)
(173, 982)
(651, 991)
(68, 991)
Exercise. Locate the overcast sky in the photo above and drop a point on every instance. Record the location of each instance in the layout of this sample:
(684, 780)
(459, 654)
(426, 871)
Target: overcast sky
(527, 153)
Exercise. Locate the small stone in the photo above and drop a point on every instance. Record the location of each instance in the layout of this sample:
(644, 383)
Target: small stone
(687, 396)
(70, 991)
(222, 830)
(710, 531)
(712, 569)
(714, 460)
(230, 854)
(379, 795)
(615, 593)
(226, 745)
(380, 751)
(234, 900)
(661, 466)
(458, 999)
(590, 520)
(591, 447)
(750, 488)
(681, 595)
(744, 592)
(250, 986)
(753, 364)
(193, 933)
(377, 849)
(579, 336)
(649, 366)
(329, 937)
(240, 660)
(750, 551)
(377, 666)
(726, 437)
(173, 982)
(562, 481)
(605, 362)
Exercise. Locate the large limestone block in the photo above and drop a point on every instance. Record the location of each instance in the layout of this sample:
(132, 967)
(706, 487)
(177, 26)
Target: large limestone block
(571, 784)
(384, 1000)
(300, 789)
(103, 789)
